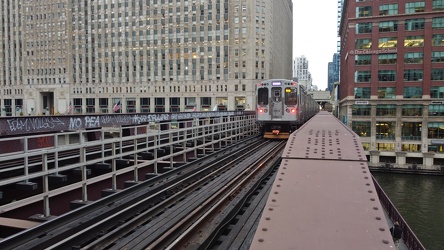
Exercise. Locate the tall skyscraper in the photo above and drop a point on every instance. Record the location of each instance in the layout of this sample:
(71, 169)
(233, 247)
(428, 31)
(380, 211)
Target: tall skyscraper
(72, 56)
(392, 79)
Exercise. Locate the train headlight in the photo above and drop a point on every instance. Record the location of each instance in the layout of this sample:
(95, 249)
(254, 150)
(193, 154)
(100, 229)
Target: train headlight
(293, 110)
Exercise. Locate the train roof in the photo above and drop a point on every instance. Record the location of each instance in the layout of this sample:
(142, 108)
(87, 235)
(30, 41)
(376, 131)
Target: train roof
(275, 80)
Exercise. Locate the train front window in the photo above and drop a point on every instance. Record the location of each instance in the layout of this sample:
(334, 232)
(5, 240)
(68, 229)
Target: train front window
(290, 96)
(262, 96)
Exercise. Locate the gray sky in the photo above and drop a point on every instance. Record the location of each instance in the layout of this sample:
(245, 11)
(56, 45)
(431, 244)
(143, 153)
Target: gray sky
(315, 36)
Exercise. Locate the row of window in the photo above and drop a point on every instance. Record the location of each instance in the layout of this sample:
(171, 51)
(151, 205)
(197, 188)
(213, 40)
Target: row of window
(409, 58)
(392, 9)
(157, 89)
(386, 130)
(392, 26)
(388, 93)
(390, 75)
(391, 110)
(392, 42)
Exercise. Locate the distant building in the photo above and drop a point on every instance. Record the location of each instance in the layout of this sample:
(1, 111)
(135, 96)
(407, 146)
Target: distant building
(301, 72)
(333, 71)
(83, 57)
(392, 79)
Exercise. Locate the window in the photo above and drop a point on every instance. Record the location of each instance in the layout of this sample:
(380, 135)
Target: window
(437, 22)
(388, 9)
(386, 110)
(438, 56)
(290, 96)
(363, 43)
(435, 130)
(437, 92)
(411, 130)
(438, 5)
(362, 76)
(363, 11)
(388, 26)
(159, 103)
(386, 75)
(414, 57)
(412, 92)
(412, 110)
(362, 93)
(438, 40)
(174, 104)
(413, 74)
(437, 75)
(436, 110)
(385, 146)
(387, 58)
(363, 59)
(363, 28)
(385, 130)
(414, 24)
(90, 105)
(262, 96)
(387, 42)
(411, 147)
(386, 93)
(131, 105)
(361, 110)
(362, 128)
(144, 105)
(414, 7)
(414, 41)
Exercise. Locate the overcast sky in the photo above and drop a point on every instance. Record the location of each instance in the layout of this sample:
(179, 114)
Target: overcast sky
(315, 36)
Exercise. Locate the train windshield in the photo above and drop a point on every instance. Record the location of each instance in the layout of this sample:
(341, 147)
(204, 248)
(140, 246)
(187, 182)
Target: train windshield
(262, 96)
(291, 96)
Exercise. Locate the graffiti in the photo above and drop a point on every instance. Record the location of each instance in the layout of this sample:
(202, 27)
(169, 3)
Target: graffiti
(106, 119)
(34, 124)
(92, 121)
(23, 125)
(75, 123)
(43, 142)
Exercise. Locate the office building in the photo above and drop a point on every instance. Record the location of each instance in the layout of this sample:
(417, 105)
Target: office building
(392, 79)
(84, 57)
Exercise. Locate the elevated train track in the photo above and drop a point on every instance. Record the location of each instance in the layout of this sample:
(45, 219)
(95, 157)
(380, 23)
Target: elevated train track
(322, 187)
(324, 196)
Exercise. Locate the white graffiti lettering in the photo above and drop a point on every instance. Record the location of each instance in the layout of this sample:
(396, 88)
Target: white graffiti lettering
(75, 123)
(92, 121)
(33, 124)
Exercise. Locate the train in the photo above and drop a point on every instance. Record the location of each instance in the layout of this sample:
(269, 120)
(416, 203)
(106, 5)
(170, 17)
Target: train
(282, 106)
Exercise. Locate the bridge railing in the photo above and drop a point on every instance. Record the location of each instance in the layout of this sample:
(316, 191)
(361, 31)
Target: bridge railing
(33, 160)
(408, 236)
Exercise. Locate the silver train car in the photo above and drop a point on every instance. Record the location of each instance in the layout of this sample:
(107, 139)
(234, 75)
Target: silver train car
(282, 106)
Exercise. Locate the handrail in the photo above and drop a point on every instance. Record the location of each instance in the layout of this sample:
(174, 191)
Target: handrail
(408, 236)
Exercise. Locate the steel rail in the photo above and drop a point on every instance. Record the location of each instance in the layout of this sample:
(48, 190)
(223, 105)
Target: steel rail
(66, 224)
(192, 222)
(123, 213)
